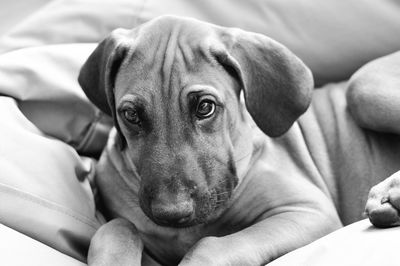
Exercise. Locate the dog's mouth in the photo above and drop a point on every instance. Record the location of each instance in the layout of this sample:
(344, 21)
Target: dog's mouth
(199, 206)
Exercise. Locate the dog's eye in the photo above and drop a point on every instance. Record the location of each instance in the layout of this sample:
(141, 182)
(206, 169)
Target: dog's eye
(205, 109)
(131, 116)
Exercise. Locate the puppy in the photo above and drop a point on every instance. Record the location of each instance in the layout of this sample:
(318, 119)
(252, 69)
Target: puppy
(206, 164)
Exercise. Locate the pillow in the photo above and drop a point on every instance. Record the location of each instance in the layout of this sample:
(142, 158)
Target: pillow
(44, 186)
(356, 244)
(44, 81)
(19, 249)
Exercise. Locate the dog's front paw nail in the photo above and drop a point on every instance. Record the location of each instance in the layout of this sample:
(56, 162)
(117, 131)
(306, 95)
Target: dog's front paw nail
(383, 203)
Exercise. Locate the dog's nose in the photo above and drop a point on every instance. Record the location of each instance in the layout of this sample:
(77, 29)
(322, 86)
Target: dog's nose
(174, 214)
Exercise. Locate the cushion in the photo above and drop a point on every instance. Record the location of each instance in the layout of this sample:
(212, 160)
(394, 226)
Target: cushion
(357, 244)
(44, 185)
(19, 249)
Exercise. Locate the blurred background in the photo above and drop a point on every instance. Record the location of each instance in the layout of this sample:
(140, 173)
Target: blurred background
(13, 11)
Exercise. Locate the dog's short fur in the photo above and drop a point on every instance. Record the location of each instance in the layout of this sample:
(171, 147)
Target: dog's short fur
(205, 179)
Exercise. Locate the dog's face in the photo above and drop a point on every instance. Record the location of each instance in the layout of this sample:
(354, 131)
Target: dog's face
(176, 117)
(172, 86)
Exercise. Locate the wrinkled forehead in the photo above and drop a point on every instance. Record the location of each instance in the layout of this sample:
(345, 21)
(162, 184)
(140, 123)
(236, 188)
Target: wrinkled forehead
(169, 29)
(172, 42)
(169, 53)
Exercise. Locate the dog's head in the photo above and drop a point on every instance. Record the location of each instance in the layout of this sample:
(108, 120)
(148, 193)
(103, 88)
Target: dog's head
(172, 86)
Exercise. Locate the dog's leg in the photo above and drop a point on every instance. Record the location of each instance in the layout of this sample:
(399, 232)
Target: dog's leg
(373, 95)
(299, 213)
(116, 243)
(374, 101)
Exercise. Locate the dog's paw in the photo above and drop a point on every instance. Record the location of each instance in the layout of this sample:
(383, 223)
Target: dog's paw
(383, 204)
(206, 252)
(115, 243)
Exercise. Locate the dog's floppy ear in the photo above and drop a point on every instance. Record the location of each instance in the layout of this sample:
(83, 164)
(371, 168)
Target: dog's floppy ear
(277, 85)
(98, 74)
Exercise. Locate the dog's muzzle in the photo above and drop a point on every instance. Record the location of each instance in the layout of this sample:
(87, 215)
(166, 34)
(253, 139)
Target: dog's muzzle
(170, 203)
(183, 204)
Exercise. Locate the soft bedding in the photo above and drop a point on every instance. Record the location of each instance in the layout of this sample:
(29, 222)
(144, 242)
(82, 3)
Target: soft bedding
(48, 127)
(356, 244)
(19, 249)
